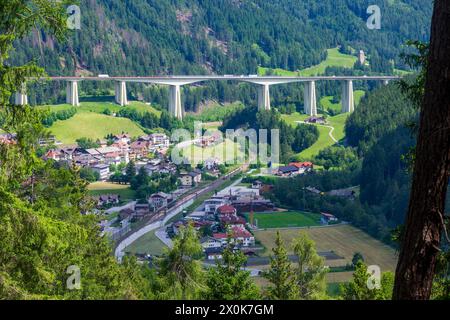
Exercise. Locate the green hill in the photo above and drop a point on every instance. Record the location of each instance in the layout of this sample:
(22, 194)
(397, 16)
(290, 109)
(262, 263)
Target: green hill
(334, 59)
(92, 125)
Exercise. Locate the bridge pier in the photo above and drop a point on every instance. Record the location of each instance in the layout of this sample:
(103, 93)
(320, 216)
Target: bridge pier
(385, 82)
(20, 98)
(348, 100)
(310, 100)
(175, 108)
(121, 93)
(263, 97)
(72, 93)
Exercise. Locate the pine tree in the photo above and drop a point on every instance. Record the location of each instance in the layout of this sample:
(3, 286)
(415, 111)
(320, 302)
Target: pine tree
(181, 273)
(228, 281)
(280, 274)
(358, 288)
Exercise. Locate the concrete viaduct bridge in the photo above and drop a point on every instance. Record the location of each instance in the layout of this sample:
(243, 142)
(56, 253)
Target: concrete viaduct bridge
(175, 83)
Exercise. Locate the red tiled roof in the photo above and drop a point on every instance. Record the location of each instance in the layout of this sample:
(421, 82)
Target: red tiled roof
(301, 164)
(220, 236)
(226, 209)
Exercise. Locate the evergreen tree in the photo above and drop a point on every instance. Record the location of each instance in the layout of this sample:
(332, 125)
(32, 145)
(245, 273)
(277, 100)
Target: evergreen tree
(228, 281)
(280, 274)
(181, 273)
(358, 288)
(130, 172)
(310, 272)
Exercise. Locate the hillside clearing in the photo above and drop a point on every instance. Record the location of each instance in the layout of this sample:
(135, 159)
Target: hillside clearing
(94, 126)
(334, 59)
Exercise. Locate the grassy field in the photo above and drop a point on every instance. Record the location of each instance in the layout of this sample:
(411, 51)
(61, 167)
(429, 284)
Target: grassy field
(286, 219)
(149, 243)
(337, 122)
(222, 150)
(92, 125)
(99, 188)
(344, 240)
(334, 59)
(100, 106)
(327, 101)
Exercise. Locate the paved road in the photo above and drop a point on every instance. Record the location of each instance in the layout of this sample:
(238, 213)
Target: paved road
(177, 208)
(115, 209)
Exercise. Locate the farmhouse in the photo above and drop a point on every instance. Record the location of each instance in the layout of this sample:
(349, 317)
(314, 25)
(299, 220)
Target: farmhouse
(326, 218)
(287, 171)
(302, 166)
(317, 120)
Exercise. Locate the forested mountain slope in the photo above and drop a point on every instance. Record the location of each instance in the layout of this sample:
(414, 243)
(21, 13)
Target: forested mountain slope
(155, 37)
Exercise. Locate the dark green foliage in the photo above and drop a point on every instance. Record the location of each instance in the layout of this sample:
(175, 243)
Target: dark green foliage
(228, 281)
(87, 143)
(58, 115)
(143, 38)
(337, 157)
(89, 175)
(291, 140)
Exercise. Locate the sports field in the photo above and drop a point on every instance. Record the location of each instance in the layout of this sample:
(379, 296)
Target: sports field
(285, 219)
(344, 240)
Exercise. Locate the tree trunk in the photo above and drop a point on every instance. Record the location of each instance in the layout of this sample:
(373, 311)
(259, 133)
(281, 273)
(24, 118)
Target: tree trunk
(424, 221)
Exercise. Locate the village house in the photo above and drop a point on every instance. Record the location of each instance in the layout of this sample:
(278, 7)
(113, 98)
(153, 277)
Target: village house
(159, 200)
(141, 210)
(139, 149)
(326, 218)
(213, 203)
(316, 120)
(106, 199)
(258, 204)
(53, 155)
(214, 253)
(191, 179)
(226, 210)
(238, 235)
(302, 166)
(159, 140)
(127, 213)
(122, 138)
(256, 184)
(210, 242)
(227, 220)
(287, 171)
(103, 171)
